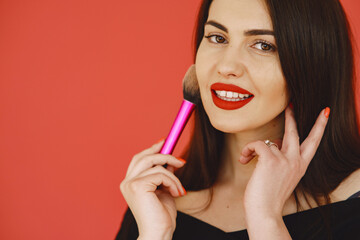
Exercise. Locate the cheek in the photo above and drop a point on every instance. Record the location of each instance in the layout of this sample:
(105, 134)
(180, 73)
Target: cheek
(202, 66)
(270, 81)
(201, 77)
(275, 91)
(201, 61)
(276, 96)
(207, 56)
(200, 71)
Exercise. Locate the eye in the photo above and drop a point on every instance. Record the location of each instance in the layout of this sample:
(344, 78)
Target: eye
(264, 46)
(216, 38)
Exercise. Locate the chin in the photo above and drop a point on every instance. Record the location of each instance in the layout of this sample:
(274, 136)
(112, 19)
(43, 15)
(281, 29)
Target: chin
(228, 126)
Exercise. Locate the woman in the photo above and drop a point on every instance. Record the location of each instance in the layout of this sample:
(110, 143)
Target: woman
(256, 167)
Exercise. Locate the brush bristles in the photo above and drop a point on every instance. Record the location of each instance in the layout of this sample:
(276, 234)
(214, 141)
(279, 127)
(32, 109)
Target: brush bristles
(190, 86)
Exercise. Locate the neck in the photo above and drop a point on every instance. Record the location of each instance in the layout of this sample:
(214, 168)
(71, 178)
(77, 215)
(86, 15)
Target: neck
(233, 173)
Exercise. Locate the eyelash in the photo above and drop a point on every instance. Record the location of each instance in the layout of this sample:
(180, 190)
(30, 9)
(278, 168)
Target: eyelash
(272, 47)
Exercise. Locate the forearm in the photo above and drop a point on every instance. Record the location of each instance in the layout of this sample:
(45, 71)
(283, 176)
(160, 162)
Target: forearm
(267, 228)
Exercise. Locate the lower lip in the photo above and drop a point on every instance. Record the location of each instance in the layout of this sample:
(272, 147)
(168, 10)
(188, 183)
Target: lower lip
(228, 105)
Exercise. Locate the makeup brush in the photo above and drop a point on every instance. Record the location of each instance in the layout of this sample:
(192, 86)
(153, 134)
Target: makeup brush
(191, 98)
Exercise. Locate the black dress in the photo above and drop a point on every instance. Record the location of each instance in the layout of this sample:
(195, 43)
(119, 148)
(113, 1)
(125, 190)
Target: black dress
(344, 223)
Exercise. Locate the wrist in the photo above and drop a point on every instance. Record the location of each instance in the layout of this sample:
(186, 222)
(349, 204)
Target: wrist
(268, 220)
(256, 219)
(155, 236)
(256, 214)
(267, 227)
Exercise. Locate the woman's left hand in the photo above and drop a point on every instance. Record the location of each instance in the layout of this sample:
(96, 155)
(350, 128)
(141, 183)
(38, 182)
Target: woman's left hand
(278, 172)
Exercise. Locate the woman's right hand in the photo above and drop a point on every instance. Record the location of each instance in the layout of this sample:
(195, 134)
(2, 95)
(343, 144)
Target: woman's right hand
(154, 209)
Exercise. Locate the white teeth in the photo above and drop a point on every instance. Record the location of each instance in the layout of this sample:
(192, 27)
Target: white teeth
(231, 96)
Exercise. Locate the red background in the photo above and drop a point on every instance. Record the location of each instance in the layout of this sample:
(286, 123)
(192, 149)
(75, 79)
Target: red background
(84, 85)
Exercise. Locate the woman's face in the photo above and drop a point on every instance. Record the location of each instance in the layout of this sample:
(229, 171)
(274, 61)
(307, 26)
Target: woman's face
(239, 50)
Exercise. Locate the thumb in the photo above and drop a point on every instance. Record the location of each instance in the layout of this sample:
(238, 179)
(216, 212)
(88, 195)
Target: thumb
(158, 145)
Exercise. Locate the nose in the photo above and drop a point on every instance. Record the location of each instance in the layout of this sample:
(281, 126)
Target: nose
(231, 64)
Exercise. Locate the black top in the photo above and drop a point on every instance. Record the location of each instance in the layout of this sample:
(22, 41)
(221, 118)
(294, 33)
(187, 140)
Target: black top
(343, 219)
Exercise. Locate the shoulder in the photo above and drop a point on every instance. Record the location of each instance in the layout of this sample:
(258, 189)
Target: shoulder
(347, 187)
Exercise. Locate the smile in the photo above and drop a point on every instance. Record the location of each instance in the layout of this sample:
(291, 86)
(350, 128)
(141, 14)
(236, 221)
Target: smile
(230, 97)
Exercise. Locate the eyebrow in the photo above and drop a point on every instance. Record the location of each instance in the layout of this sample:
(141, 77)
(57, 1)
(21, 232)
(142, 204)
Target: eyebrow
(251, 32)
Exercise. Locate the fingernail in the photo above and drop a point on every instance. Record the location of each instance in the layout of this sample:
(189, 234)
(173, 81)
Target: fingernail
(291, 105)
(184, 190)
(184, 161)
(327, 112)
(162, 139)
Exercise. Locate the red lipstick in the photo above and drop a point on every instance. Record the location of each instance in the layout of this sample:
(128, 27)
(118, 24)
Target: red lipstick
(229, 105)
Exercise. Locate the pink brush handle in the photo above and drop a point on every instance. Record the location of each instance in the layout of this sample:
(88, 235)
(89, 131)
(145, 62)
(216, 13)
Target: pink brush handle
(178, 126)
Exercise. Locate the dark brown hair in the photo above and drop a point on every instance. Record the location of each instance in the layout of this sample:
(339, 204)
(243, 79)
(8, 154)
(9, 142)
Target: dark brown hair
(315, 50)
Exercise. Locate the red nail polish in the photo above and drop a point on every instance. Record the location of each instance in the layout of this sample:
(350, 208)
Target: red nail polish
(160, 140)
(184, 190)
(327, 112)
(184, 161)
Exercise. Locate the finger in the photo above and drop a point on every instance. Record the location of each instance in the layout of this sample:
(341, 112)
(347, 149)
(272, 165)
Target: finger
(161, 169)
(170, 168)
(291, 137)
(155, 148)
(160, 189)
(278, 142)
(149, 161)
(276, 149)
(255, 148)
(149, 183)
(311, 143)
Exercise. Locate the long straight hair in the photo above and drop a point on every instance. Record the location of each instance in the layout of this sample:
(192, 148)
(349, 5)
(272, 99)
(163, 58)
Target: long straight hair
(316, 56)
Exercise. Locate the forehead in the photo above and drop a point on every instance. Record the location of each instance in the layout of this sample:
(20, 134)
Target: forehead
(240, 14)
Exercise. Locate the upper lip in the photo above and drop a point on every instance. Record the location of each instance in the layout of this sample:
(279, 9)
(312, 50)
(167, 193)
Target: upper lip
(229, 87)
